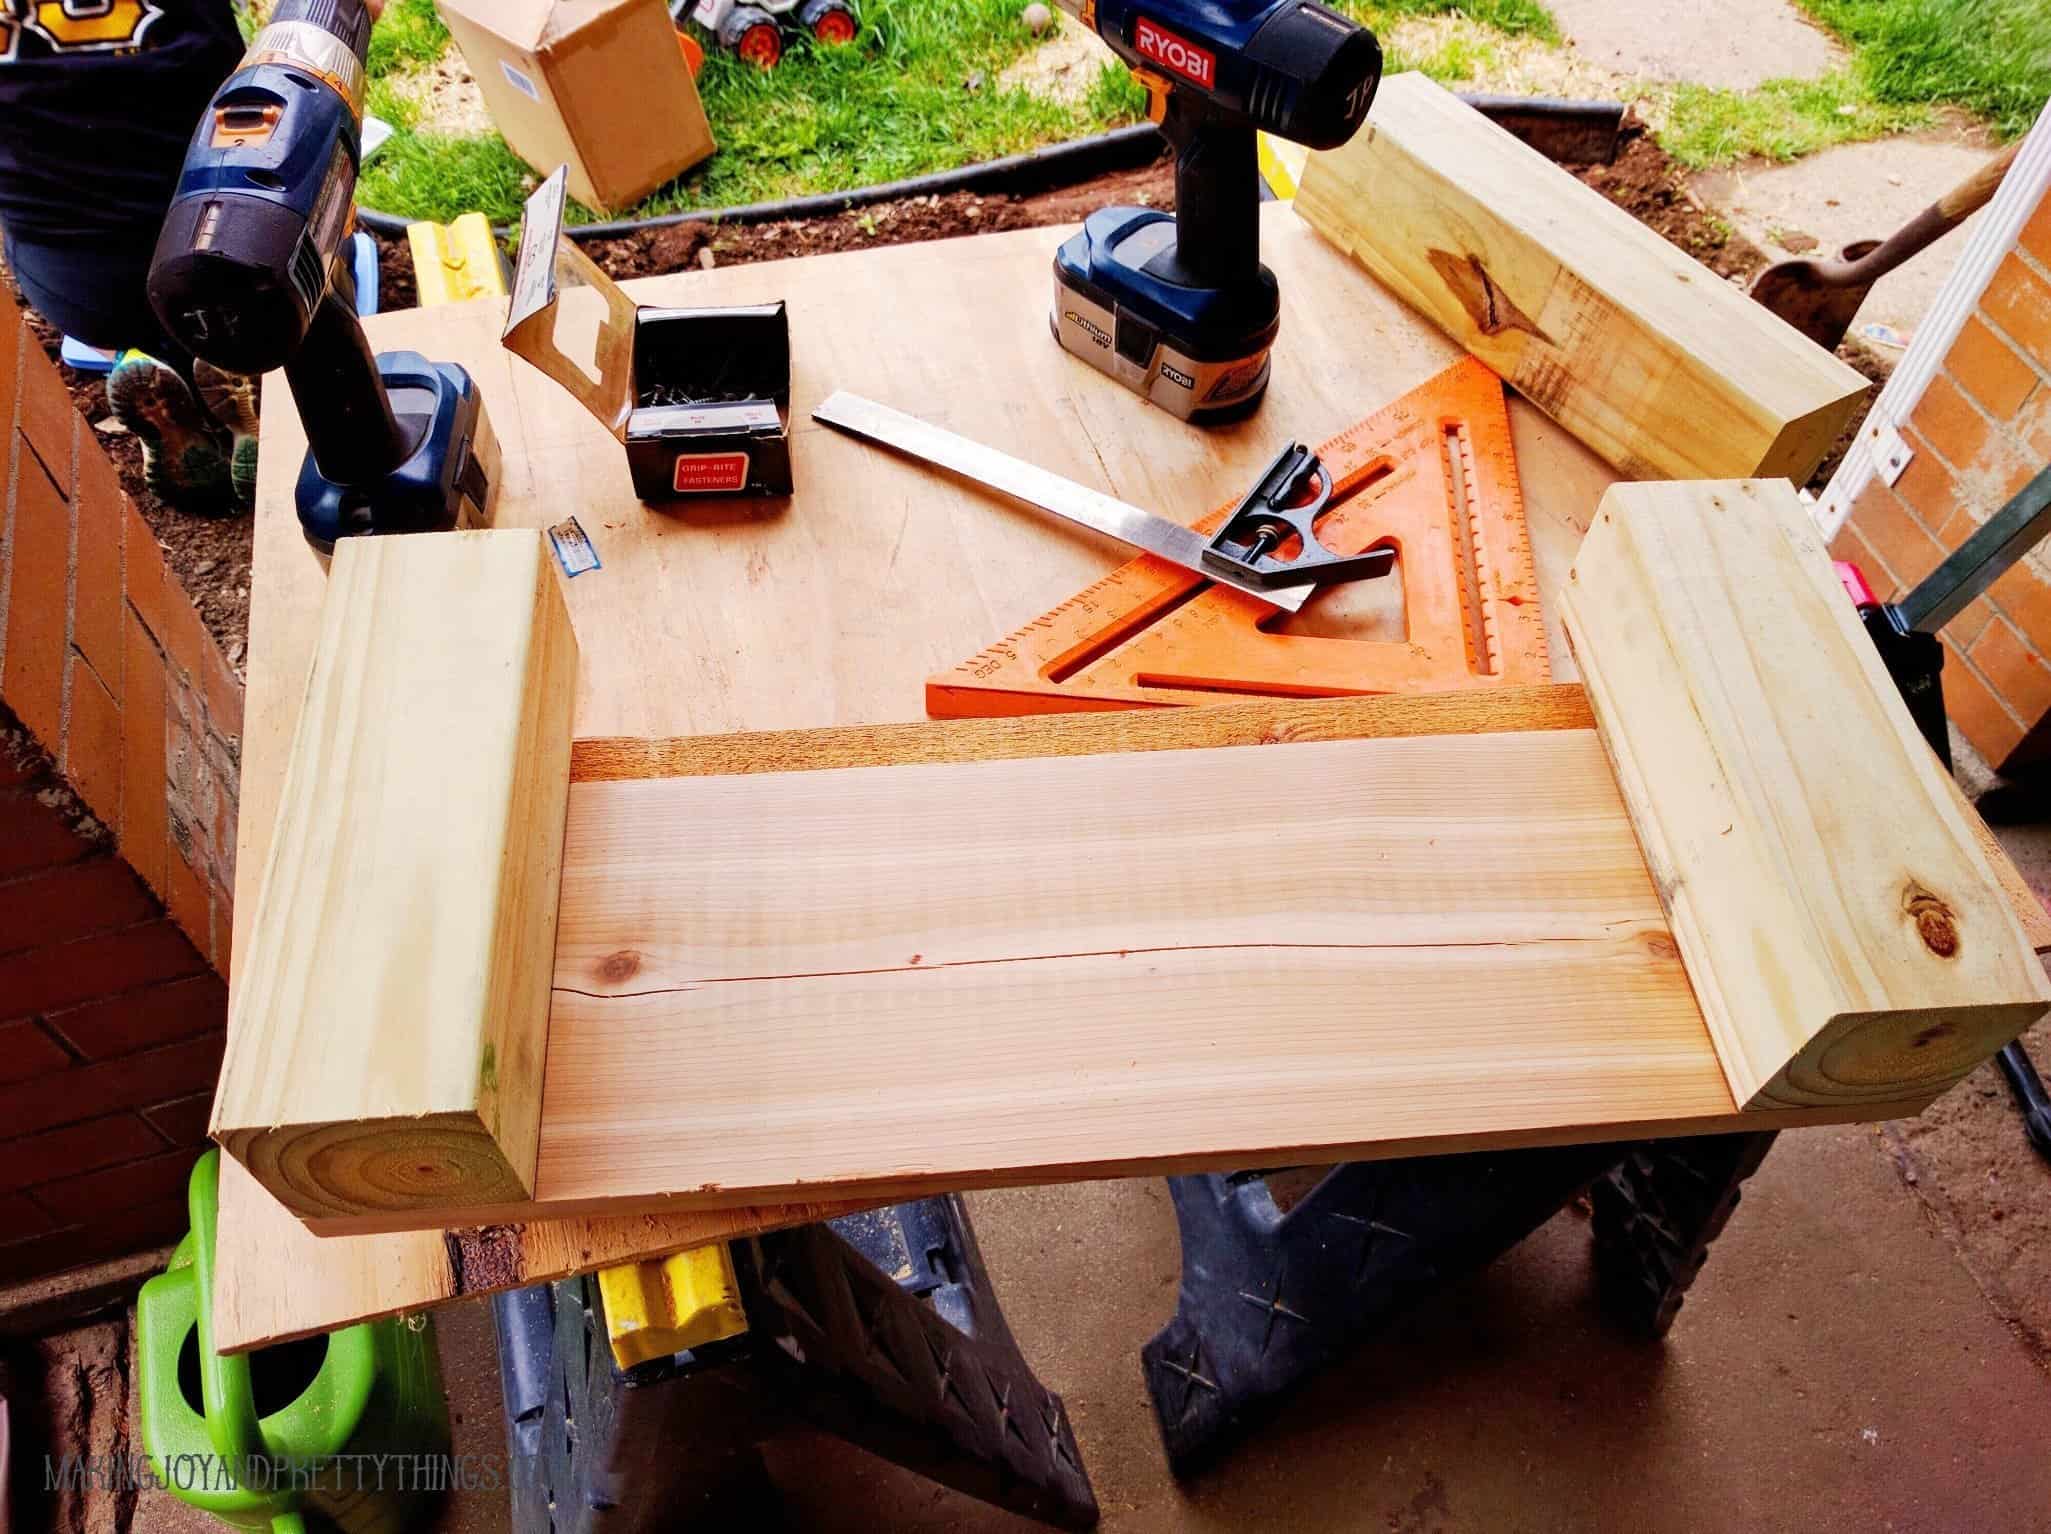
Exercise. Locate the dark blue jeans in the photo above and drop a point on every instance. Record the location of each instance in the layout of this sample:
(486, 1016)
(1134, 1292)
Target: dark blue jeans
(96, 293)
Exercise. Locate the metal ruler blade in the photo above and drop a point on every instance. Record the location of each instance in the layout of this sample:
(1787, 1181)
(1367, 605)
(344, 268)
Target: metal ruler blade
(1039, 487)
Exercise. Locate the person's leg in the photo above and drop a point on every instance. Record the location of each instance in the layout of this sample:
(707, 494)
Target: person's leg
(98, 295)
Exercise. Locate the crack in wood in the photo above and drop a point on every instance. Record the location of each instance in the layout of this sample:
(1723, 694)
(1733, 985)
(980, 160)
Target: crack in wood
(1658, 943)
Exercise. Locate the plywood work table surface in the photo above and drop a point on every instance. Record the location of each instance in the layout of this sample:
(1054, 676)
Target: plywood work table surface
(832, 609)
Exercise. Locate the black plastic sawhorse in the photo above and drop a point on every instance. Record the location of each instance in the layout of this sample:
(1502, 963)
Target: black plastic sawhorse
(1269, 1298)
(882, 1328)
(879, 1327)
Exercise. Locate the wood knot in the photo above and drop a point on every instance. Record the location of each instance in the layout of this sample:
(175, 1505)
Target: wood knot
(1659, 945)
(1487, 305)
(618, 968)
(1280, 734)
(1936, 926)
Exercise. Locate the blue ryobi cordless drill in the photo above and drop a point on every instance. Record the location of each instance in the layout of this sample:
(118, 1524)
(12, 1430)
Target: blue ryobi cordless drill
(1179, 307)
(248, 274)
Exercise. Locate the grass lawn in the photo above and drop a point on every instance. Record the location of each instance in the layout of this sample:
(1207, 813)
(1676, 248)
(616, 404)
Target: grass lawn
(918, 92)
(1989, 57)
(1992, 57)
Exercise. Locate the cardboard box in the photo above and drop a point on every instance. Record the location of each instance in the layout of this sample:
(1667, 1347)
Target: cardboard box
(699, 398)
(600, 86)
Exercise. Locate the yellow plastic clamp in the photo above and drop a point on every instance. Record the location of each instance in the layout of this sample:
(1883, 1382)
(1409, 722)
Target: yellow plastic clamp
(456, 261)
(668, 1304)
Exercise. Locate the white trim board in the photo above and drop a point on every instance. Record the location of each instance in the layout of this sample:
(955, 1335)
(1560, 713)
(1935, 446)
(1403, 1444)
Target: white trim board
(1994, 235)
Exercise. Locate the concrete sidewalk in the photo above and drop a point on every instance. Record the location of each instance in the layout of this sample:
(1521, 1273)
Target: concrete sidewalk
(1835, 1368)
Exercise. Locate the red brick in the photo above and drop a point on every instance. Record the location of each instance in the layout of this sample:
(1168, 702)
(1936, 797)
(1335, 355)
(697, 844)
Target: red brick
(1988, 369)
(183, 1121)
(163, 1014)
(25, 1051)
(142, 756)
(92, 743)
(48, 419)
(2024, 598)
(184, 636)
(1869, 559)
(2033, 425)
(10, 354)
(132, 1230)
(110, 1086)
(1971, 623)
(21, 1217)
(159, 1179)
(2018, 301)
(1850, 548)
(224, 695)
(1904, 546)
(1960, 526)
(36, 835)
(38, 608)
(1928, 486)
(1949, 423)
(21, 759)
(97, 602)
(188, 899)
(2014, 670)
(65, 974)
(81, 1147)
(60, 904)
(1975, 709)
(142, 573)
(2036, 235)
(224, 930)
(227, 815)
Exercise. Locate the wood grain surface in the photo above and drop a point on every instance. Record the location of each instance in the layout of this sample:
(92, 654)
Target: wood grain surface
(835, 608)
(1847, 937)
(829, 611)
(390, 1005)
(1648, 356)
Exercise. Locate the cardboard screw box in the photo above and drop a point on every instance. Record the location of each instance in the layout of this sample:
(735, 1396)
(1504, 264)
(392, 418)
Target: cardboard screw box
(601, 86)
(699, 398)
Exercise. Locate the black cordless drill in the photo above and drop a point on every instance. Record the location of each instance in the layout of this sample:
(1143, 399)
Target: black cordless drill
(1179, 307)
(249, 273)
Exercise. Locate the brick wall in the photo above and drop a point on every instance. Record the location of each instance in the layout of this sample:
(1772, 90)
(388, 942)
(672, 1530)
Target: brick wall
(120, 728)
(1978, 432)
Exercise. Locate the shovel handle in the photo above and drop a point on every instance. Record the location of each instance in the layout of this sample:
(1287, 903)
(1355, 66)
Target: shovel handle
(1974, 193)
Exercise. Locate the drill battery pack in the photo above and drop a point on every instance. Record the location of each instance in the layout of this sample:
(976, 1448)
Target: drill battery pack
(1200, 353)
